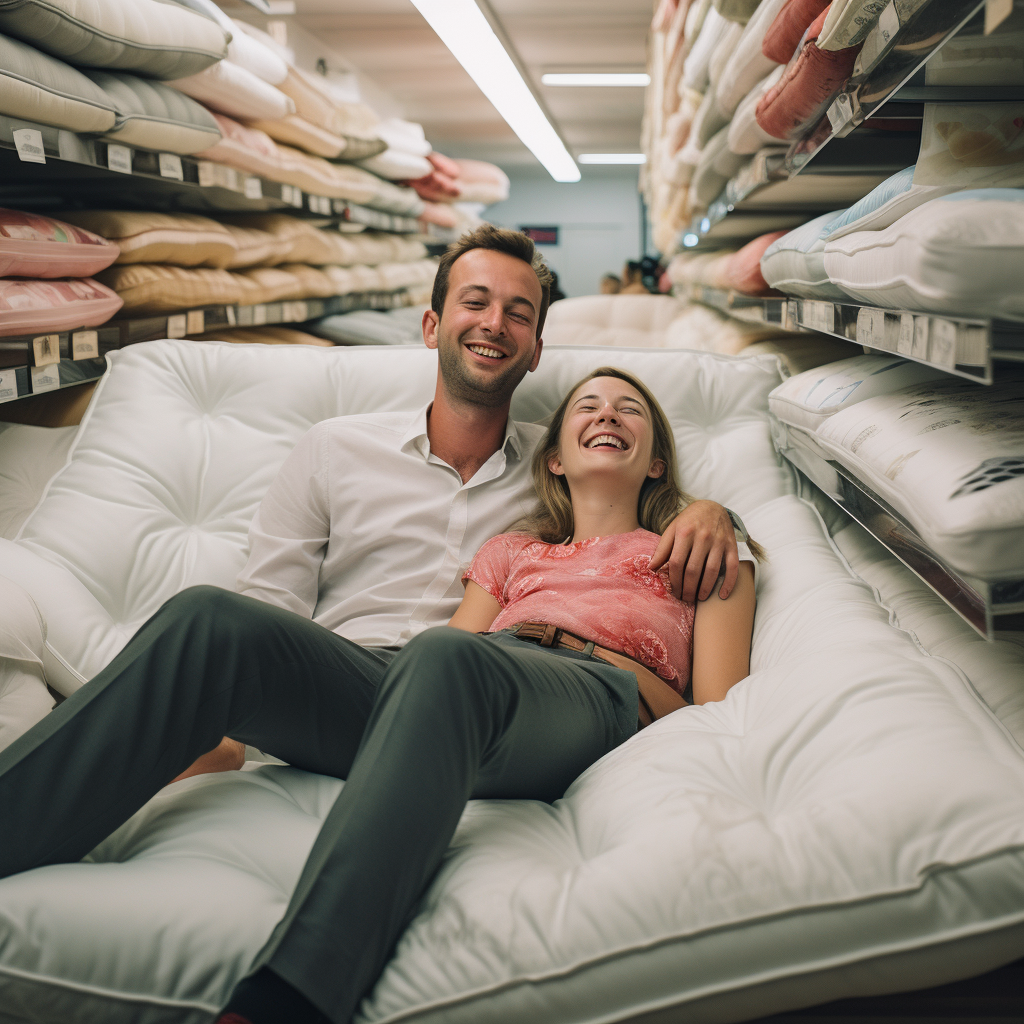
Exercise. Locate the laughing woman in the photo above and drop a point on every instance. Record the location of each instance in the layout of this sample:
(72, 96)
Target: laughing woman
(581, 644)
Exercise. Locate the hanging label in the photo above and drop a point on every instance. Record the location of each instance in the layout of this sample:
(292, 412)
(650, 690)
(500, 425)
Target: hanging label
(170, 166)
(85, 345)
(119, 158)
(253, 188)
(44, 378)
(207, 173)
(840, 113)
(177, 325)
(29, 144)
(8, 384)
(195, 321)
(46, 349)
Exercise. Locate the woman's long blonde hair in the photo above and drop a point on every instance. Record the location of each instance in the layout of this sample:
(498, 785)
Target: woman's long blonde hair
(661, 498)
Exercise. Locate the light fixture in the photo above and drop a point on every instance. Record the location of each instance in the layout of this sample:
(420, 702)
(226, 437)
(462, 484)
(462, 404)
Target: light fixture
(597, 78)
(465, 31)
(612, 158)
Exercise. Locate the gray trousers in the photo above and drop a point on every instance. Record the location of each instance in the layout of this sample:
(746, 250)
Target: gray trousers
(415, 733)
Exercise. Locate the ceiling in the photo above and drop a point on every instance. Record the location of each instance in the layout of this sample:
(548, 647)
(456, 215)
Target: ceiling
(390, 43)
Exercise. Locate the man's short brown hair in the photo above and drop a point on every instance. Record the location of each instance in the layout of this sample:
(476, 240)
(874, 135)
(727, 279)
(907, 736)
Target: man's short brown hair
(513, 243)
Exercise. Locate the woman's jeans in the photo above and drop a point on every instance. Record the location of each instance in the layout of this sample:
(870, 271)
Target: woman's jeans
(415, 733)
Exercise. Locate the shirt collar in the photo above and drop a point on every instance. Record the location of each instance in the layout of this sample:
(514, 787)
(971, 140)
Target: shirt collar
(415, 437)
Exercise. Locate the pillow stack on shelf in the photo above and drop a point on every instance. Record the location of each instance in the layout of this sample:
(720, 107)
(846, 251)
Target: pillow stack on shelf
(46, 271)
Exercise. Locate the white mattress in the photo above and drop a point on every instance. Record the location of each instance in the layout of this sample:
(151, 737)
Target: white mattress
(849, 820)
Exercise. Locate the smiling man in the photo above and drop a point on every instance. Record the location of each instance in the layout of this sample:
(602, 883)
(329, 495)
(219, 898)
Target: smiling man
(359, 545)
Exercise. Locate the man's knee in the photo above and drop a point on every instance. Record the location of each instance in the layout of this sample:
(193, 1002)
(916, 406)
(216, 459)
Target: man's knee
(210, 606)
(443, 659)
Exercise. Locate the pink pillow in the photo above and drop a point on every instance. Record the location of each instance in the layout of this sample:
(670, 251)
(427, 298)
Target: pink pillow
(810, 81)
(785, 32)
(742, 270)
(35, 246)
(445, 164)
(39, 307)
(439, 214)
(436, 187)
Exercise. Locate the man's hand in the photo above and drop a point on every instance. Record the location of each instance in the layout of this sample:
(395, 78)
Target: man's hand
(696, 544)
(227, 756)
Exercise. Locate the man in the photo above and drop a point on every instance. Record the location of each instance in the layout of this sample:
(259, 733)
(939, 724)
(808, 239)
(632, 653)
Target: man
(358, 546)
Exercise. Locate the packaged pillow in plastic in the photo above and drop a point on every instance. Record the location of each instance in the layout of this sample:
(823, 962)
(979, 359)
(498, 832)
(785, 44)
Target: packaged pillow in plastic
(31, 306)
(155, 116)
(795, 263)
(35, 246)
(37, 87)
(949, 456)
(958, 254)
(807, 86)
(160, 40)
(229, 89)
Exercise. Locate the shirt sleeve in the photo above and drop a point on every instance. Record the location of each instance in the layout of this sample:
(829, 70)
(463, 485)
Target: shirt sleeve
(288, 535)
(493, 563)
(746, 556)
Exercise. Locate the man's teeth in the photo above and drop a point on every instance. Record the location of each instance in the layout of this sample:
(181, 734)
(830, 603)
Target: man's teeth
(483, 350)
(606, 439)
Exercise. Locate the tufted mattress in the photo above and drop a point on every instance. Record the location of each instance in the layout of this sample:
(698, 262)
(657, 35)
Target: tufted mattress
(850, 820)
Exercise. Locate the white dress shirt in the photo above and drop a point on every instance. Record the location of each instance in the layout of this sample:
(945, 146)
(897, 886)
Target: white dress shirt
(368, 533)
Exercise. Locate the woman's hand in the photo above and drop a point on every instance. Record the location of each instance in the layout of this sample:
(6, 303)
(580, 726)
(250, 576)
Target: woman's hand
(699, 541)
(227, 756)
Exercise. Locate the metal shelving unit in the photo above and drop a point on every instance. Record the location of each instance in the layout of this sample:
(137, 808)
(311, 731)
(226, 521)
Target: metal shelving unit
(989, 606)
(970, 347)
(34, 364)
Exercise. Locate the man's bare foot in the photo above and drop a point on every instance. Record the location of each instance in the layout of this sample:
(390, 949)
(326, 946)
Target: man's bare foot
(227, 756)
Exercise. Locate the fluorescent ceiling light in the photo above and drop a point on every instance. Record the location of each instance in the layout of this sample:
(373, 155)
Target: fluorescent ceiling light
(612, 158)
(465, 31)
(608, 79)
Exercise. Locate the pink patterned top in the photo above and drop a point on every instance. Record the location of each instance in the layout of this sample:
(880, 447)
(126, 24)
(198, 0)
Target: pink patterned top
(600, 589)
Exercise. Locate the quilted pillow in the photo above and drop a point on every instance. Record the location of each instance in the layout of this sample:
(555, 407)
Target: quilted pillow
(795, 263)
(37, 87)
(784, 34)
(144, 236)
(297, 131)
(747, 65)
(949, 456)
(811, 398)
(154, 116)
(162, 40)
(154, 288)
(960, 253)
(230, 89)
(29, 306)
(35, 246)
(807, 86)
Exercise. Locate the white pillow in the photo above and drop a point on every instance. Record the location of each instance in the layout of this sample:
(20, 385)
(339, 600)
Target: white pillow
(230, 89)
(948, 455)
(959, 254)
(396, 165)
(886, 203)
(809, 399)
(795, 263)
(746, 136)
(695, 70)
(747, 65)
(250, 53)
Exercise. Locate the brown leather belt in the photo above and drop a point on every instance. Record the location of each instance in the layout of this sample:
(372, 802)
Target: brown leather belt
(657, 698)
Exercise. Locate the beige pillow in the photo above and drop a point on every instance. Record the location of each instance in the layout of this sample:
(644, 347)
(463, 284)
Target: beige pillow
(272, 283)
(154, 288)
(300, 240)
(182, 239)
(313, 101)
(297, 131)
(310, 173)
(315, 284)
(256, 248)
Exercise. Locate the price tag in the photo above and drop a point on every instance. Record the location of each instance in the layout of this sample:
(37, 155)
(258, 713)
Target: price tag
(314, 204)
(170, 166)
(294, 312)
(920, 349)
(229, 312)
(29, 144)
(286, 194)
(871, 327)
(195, 321)
(253, 188)
(207, 173)
(44, 378)
(259, 314)
(819, 316)
(119, 158)
(229, 178)
(177, 325)
(8, 384)
(840, 113)
(297, 198)
(85, 345)
(942, 349)
(46, 349)
(905, 341)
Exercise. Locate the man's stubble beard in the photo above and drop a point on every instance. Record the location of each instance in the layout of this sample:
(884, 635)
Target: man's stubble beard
(461, 385)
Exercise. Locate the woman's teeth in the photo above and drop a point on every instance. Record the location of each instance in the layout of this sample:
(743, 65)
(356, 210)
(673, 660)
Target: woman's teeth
(606, 439)
(483, 350)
